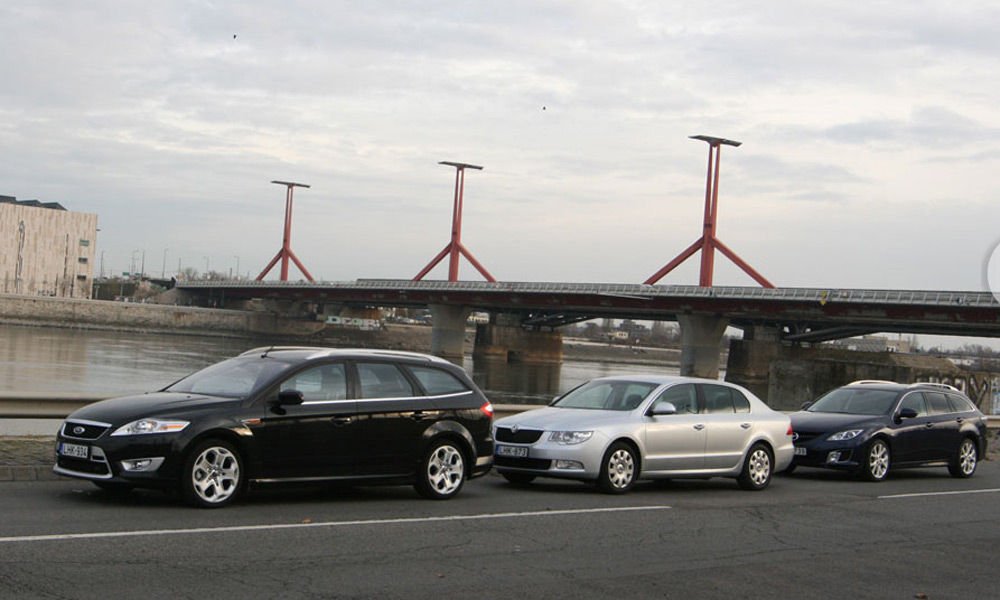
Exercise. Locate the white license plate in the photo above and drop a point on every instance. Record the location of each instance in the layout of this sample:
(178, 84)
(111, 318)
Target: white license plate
(74, 450)
(800, 451)
(513, 451)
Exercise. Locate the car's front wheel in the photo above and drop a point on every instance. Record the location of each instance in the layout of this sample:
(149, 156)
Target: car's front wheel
(442, 472)
(877, 461)
(965, 461)
(757, 468)
(619, 469)
(213, 474)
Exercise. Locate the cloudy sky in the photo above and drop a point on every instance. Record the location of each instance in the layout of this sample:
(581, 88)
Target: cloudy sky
(869, 158)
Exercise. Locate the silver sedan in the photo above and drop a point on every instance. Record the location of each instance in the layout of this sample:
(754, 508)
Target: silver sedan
(616, 430)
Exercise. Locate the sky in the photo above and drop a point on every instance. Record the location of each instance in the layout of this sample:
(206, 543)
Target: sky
(869, 131)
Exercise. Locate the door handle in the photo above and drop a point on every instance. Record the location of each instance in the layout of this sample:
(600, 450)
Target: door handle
(745, 425)
(419, 415)
(959, 420)
(929, 425)
(699, 427)
(341, 420)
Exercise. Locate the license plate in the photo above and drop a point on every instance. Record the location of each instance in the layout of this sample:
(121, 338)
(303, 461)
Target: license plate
(74, 450)
(800, 451)
(512, 451)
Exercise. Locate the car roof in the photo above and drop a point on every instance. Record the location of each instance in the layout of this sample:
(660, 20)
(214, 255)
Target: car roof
(314, 352)
(892, 386)
(660, 379)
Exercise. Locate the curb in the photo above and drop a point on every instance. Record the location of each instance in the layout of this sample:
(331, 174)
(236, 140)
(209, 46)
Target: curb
(29, 473)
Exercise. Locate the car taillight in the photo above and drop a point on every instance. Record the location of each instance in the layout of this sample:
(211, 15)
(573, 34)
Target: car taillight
(487, 409)
(789, 433)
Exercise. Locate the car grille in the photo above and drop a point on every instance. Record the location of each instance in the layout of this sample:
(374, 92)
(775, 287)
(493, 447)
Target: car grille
(537, 464)
(521, 436)
(79, 465)
(804, 437)
(90, 431)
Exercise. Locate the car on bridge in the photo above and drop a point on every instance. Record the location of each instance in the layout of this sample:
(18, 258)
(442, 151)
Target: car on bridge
(288, 414)
(613, 431)
(870, 427)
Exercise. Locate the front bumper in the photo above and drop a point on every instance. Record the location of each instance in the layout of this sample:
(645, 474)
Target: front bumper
(137, 460)
(549, 459)
(820, 453)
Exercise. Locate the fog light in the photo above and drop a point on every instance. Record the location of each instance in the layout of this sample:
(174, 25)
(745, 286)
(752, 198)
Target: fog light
(833, 457)
(569, 464)
(138, 465)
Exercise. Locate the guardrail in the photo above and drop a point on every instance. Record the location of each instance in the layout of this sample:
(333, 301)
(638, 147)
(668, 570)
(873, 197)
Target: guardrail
(30, 405)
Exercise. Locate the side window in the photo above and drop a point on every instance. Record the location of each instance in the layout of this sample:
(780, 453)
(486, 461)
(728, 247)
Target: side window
(718, 399)
(937, 403)
(438, 382)
(682, 396)
(319, 384)
(916, 402)
(740, 401)
(960, 404)
(383, 380)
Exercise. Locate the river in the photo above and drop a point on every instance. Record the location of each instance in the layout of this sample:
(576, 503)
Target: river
(55, 360)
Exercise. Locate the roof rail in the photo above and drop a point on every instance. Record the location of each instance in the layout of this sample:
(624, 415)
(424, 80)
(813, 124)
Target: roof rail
(870, 381)
(263, 349)
(943, 386)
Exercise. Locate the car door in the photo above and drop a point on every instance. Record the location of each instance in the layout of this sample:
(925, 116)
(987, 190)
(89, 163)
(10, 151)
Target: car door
(910, 443)
(675, 442)
(392, 416)
(945, 433)
(312, 440)
(728, 433)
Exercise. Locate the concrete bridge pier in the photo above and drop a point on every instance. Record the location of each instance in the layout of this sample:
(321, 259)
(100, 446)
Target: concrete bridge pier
(701, 339)
(448, 331)
(504, 339)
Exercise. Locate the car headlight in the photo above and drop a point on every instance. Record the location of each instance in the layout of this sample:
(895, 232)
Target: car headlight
(570, 437)
(842, 436)
(143, 426)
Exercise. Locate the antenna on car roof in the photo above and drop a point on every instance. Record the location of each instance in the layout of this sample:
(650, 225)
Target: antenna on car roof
(266, 351)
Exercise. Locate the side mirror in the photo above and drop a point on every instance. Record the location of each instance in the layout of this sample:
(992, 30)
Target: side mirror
(289, 397)
(806, 405)
(906, 413)
(664, 408)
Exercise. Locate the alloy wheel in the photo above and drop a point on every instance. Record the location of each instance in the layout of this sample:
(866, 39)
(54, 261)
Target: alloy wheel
(215, 475)
(445, 470)
(621, 468)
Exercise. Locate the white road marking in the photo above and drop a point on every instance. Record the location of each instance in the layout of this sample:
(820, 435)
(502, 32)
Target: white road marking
(236, 528)
(923, 494)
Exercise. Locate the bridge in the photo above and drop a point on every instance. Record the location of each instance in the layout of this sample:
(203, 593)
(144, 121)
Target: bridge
(800, 315)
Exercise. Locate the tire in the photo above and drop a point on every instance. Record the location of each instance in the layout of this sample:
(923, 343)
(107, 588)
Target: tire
(114, 487)
(442, 471)
(966, 459)
(518, 478)
(213, 474)
(877, 460)
(758, 468)
(619, 469)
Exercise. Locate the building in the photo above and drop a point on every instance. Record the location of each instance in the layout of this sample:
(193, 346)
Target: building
(46, 250)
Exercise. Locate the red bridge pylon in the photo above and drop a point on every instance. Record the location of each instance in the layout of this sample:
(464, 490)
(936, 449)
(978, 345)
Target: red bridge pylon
(708, 242)
(286, 243)
(455, 247)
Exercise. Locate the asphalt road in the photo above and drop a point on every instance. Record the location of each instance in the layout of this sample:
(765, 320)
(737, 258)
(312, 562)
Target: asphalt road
(815, 534)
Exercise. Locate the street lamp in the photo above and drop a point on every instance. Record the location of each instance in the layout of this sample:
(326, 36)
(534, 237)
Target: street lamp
(163, 272)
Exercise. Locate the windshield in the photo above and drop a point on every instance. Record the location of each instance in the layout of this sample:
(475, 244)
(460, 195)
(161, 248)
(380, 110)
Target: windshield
(856, 401)
(234, 378)
(606, 395)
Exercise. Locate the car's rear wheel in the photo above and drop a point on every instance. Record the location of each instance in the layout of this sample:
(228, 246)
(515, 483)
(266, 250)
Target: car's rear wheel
(757, 468)
(966, 459)
(619, 469)
(518, 478)
(877, 461)
(442, 472)
(213, 474)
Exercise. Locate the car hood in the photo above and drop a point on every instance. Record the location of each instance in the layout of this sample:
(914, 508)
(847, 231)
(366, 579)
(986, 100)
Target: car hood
(562, 419)
(128, 408)
(819, 422)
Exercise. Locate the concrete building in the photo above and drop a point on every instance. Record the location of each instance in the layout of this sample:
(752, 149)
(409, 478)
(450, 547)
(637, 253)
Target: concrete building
(46, 250)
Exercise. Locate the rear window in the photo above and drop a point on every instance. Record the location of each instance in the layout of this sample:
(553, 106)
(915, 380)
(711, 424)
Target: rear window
(937, 403)
(960, 403)
(438, 382)
(718, 399)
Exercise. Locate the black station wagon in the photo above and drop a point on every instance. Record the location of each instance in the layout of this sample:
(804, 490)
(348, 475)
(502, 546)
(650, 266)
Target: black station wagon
(288, 414)
(870, 427)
